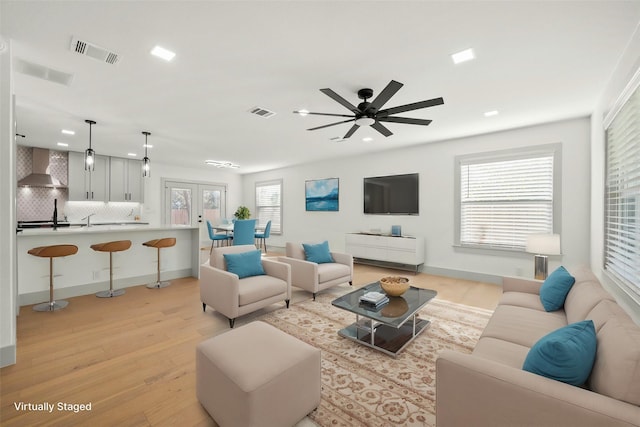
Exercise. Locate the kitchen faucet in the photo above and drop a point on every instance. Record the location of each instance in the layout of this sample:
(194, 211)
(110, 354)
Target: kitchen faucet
(88, 218)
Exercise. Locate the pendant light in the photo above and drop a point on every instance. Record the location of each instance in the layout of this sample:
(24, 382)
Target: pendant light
(146, 163)
(89, 154)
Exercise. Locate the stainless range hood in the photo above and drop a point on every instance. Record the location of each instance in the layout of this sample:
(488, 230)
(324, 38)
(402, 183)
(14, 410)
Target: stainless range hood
(39, 176)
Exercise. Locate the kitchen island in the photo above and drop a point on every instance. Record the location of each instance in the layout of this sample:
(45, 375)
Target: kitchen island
(87, 271)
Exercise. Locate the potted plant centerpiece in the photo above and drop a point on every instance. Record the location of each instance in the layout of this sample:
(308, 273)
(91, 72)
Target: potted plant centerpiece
(242, 213)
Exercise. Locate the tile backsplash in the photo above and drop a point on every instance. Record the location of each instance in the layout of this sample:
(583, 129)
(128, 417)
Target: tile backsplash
(36, 203)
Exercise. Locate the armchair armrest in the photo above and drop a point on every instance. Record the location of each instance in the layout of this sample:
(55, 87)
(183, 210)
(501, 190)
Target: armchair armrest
(304, 274)
(280, 270)
(219, 289)
(474, 391)
(342, 258)
(518, 284)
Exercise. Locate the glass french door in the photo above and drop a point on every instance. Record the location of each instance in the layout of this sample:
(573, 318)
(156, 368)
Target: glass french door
(191, 204)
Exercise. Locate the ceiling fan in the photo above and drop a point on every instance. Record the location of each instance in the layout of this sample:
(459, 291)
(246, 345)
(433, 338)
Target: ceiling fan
(369, 113)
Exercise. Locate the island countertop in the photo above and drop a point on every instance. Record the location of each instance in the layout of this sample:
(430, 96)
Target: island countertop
(101, 228)
(87, 271)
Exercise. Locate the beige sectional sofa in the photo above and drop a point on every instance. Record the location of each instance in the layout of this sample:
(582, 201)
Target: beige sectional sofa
(489, 387)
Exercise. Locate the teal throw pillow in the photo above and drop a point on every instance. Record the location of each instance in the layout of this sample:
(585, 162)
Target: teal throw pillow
(566, 354)
(245, 264)
(555, 288)
(318, 253)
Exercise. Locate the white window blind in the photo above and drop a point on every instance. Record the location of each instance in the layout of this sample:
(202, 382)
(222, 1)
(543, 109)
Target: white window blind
(269, 204)
(505, 198)
(622, 197)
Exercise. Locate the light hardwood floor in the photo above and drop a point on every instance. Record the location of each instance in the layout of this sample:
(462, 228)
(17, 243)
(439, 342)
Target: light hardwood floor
(133, 357)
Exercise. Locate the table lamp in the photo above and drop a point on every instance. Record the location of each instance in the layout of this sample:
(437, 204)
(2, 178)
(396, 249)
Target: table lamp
(542, 245)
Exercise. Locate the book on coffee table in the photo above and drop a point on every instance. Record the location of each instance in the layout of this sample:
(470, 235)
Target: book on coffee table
(374, 299)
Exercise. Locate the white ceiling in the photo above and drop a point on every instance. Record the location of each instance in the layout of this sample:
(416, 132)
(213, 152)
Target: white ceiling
(536, 62)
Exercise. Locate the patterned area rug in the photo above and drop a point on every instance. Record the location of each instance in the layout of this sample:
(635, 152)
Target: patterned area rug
(364, 387)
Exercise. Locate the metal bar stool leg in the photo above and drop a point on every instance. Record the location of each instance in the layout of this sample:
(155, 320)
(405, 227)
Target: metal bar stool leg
(110, 293)
(52, 305)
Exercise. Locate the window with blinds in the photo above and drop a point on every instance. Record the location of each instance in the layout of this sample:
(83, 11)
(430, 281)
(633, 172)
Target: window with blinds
(622, 197)
(505, 196)
(269, 204)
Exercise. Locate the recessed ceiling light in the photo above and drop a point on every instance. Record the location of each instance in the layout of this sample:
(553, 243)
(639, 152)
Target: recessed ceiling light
(147, 146)
(302, 112)
(131, 154)
(463, 56)
(491, 113)
(163, 53)
(63, 144)
(68, 132)
(367, 139)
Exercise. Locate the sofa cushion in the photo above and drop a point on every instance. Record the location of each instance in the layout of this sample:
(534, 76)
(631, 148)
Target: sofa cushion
(318, 253)
(616, 371)
(566, 354)
(522, 326)
(245, 264)
(582, 298)
(259, 288)
(504, 352)
(521, 299)
(605, 310)
(555, 288)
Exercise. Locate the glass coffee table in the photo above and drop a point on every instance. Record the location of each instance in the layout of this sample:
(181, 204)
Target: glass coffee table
(389, 328)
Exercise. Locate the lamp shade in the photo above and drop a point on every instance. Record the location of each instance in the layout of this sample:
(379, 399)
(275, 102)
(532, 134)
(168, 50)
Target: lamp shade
(544, 244)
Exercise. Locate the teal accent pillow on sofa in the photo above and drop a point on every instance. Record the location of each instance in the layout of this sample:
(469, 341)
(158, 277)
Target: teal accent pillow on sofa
(555, 288)
(245, 264)
(318, 253)
(566, 354)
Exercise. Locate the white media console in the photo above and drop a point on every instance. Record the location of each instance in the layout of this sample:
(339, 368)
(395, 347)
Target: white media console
(402, 252)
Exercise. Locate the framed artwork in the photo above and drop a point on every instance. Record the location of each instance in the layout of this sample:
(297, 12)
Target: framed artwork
(322, 194)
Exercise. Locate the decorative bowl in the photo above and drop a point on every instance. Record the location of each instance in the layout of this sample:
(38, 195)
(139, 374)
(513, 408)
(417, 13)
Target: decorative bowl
(394, 286)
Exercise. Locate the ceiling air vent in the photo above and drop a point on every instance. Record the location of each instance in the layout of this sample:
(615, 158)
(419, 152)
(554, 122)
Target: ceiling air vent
(94, 51)
(42, 72)
(262, 112)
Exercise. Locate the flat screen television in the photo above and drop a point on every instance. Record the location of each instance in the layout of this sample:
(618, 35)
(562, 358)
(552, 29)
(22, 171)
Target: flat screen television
(392, 195)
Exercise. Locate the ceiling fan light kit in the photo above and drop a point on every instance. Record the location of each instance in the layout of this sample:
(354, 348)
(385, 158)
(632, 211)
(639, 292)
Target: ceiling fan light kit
(370, 113)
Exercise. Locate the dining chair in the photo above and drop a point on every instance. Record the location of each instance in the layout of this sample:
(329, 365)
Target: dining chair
(262, 237)
(216, 238)
(244, 231)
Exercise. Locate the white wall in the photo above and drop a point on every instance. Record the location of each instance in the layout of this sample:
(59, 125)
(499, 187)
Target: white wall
(628, 65)
(8, 279)
(435, 163)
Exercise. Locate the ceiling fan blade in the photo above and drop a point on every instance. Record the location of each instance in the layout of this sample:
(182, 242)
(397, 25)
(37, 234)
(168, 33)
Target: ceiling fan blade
(304, 113)
(340, 100)
(406, 120)
(351, 131)
(332, 124)
(409, 107)
(380, 128)
(386, 94)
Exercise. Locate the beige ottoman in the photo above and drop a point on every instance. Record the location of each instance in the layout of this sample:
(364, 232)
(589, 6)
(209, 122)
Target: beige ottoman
(257, 375)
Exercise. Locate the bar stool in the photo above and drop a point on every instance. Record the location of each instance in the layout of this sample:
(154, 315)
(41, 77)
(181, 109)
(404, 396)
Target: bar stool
(111, 247)
(52, 252)
(166, 242)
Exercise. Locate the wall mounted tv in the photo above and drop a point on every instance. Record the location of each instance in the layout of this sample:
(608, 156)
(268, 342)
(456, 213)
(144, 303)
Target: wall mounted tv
(392, 195)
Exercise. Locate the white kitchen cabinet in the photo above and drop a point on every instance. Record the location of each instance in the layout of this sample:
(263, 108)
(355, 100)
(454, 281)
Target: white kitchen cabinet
(125, 182)
(402, 252)
(88, 185)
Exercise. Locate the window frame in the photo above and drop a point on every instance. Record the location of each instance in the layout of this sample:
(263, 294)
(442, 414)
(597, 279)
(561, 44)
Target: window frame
(274, 229)
(554, 149)
(628, 286)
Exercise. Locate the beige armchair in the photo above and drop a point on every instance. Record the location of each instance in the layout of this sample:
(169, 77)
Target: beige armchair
(314, 277)
(231, 296)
